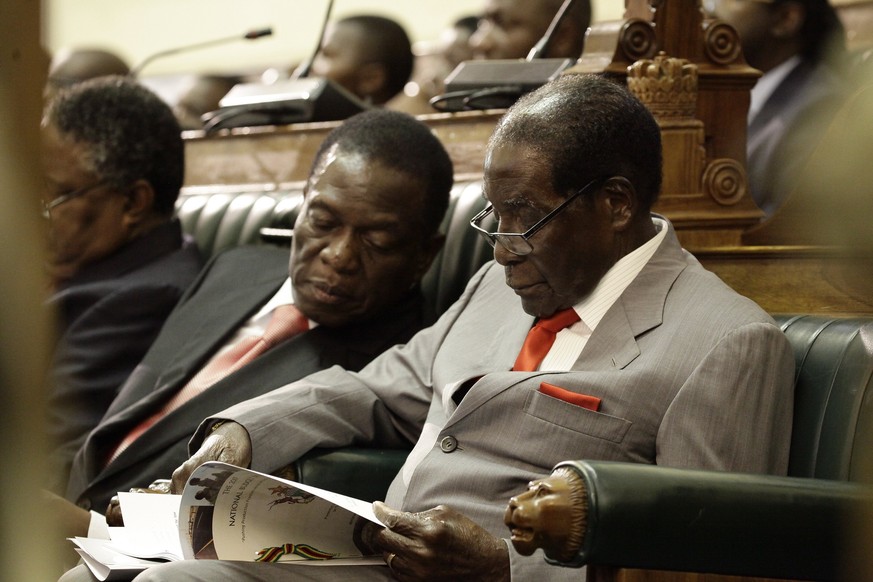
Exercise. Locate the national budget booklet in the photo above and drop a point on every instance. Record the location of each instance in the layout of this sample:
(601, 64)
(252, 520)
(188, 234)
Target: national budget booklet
(230, 513)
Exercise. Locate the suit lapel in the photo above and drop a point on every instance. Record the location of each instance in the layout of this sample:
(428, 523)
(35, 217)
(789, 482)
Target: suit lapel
(639, 309)
(350, 346)
(613, 343)
(228, 311)
(139, 399)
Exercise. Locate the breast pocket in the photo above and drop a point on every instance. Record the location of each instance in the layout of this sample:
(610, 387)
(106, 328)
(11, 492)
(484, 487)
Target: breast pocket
(576, 418)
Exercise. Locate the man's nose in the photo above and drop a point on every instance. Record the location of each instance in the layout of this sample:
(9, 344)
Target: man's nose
(343, 252)
(504, 256)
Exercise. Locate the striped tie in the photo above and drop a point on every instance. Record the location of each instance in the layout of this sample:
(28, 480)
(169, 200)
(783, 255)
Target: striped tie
(286, 322)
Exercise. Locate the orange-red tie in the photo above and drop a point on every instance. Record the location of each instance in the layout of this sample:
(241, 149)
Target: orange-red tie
(287, 321)
(540, 339)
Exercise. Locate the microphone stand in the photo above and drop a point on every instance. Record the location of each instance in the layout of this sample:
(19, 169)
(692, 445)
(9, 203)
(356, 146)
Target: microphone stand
(251, 35)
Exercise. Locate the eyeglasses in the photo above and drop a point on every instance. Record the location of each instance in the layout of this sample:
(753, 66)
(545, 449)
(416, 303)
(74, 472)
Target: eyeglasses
(518, 243)
(48, 206)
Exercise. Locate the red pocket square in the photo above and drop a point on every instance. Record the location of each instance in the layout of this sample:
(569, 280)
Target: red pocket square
(583, 400)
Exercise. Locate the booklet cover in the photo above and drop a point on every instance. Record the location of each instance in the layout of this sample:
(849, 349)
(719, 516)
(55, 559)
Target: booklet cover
(238, 514)
(230, 513)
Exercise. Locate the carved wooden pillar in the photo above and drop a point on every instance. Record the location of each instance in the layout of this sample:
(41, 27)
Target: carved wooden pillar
(718, 207)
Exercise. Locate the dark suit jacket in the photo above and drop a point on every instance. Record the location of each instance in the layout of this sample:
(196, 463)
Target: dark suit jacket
(787, 129)
(228, 292)
(108, 315)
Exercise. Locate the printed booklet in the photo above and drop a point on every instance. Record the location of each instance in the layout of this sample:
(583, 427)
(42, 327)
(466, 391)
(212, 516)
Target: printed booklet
(230, 513)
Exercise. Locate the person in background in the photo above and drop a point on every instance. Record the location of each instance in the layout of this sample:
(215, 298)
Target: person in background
(433, 65)
(113, 160)
(799, 45)
(508, 29)
(592, 335)
(70, 66)
(367, 232)
(201, 94)
(370, 56)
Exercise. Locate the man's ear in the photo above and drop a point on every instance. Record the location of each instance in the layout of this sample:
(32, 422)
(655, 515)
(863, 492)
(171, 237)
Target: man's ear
(139, 204)
(620, 199)
(431, 248)
(788, 19)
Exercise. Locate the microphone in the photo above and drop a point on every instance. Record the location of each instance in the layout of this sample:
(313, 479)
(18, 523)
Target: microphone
(303, 70)
(250, 35)
(498, 83)
(298, 99)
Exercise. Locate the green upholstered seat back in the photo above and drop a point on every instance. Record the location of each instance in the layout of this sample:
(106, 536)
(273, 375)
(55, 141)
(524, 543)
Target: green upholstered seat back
(833, 408)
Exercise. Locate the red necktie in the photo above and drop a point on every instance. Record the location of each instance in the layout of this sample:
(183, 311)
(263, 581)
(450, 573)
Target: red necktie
(540, 339)
(287, 321)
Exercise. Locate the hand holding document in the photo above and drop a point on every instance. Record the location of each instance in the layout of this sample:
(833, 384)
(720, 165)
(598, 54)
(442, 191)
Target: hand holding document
(230, 513)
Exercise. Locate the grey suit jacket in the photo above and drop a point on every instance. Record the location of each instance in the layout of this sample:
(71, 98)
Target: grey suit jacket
(690, 375)
(229, 291)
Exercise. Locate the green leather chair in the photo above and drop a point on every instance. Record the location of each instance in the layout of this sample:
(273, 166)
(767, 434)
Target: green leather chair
(799, 527)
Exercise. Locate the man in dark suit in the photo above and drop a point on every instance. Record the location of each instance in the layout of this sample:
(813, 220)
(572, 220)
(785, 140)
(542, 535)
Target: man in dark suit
(114, 161)
(366, 233)
(799, 45)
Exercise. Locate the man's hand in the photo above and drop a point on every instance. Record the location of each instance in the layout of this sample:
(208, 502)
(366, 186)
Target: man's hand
(437, 544)
(228, 443)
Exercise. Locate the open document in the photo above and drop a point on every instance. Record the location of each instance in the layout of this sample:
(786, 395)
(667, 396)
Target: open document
(230, 513)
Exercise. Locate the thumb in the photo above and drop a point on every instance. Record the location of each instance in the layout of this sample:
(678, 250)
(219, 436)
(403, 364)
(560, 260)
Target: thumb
(389, 517)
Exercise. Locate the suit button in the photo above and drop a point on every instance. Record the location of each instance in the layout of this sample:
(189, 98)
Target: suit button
(85, 504)
(448, 444)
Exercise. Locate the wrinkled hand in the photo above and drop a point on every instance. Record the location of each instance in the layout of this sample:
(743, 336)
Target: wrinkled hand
(229, 443)
(437, 544)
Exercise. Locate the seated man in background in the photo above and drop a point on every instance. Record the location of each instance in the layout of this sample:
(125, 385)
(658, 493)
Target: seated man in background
(71, 66)
(799, 45)
(114, 161)
(496, 392)
(508, 29)
(367, 232)
(370, 56)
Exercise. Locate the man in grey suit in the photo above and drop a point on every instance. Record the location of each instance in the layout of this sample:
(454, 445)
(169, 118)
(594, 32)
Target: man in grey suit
(667, 365)
(366, 234)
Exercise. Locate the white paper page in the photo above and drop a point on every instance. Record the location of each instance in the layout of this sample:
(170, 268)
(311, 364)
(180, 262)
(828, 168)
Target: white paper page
(356, 506)
(151, 527)
(106, 563)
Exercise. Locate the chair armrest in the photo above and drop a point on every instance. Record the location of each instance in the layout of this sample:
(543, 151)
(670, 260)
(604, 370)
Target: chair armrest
(642, 516)
(357, 472)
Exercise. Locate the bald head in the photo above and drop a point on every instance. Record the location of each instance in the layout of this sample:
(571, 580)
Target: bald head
(71, 66)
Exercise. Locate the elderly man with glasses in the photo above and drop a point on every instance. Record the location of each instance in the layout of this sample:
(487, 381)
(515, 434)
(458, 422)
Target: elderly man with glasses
(593, 335)
(113, 161)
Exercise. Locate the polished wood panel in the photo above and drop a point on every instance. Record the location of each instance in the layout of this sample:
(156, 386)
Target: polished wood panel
(278, 155)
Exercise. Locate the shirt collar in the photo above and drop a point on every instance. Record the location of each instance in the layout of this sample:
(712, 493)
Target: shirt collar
(284, 296)
(610, 287)
(768, 83)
